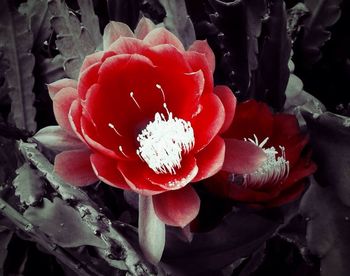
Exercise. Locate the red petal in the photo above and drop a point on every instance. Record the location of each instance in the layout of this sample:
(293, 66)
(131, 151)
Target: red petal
(86, 130)
(182, 92)
(201, 46)
(167, 56)
(91, 60)
(208, 122)
(87, 78)
(133, 174)
(197, 62)
(56, 86)
(144, 27)
(168, 181)
(113, 31)
(160, 36)
(106, 170)
(251, 118)
(242, 157)
(210, 159)
(74, 167)
(127, 45)
(61, 105)
(229, 101)
(177, 208)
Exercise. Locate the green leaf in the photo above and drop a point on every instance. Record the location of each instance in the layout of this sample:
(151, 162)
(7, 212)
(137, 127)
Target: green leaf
(28, 184)
(90, 21)
(16, 50)
(73, 40)
(63, 224)
(178, 21)
(38, 19)
(324, 13)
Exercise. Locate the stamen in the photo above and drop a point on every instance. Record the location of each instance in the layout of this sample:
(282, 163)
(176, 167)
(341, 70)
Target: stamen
(161, 90)
(115, 130)
(133, 98)
(272, 171)
(164, 141)
(121, 150)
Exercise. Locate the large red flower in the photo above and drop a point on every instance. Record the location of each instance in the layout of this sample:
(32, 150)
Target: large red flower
(279, 179)
(149, 117)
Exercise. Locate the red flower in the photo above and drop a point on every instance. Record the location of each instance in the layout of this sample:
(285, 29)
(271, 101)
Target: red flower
(149, 117)
(279, 179)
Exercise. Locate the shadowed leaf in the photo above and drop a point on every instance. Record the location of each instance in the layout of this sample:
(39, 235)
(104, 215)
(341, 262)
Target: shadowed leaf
(90, 21)
(178, 21)
(73, 41)
(324, 13)
(38, 20)
(16, 51)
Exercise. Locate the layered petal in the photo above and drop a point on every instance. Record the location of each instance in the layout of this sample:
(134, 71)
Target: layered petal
(242, 157)
(91, 60)
(113, 31)
(56, 86)
(106, 169)
(144, 27)
(210, 159)
(160, 36)
(61, 106)
(135, 179)
(207, 123)
(229, 101)
(87, 78)
(181, 178)
(75, 168)
(201, 46)
(177, 208)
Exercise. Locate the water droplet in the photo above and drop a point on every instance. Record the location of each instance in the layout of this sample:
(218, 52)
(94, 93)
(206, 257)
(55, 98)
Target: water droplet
(307, 218)
(62, 224)
(347, 218)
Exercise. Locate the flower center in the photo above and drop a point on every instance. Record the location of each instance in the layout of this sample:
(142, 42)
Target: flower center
(272, 171)
(164, 141)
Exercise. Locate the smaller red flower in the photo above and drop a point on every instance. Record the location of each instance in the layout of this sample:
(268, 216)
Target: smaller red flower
(280, 178)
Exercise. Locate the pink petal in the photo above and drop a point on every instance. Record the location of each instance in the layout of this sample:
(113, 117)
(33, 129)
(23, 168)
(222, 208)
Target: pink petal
(56, 86)
(74, 116)
(210, 159)
(113, 31)
(61, 105)
(106, 170)
(87, 78)
(127, 45)
(229, 101)
(133, 175)
(198, 61)
(91, 60)
(209, 121)
(160, 36)
(74, 167)
(55, 138)
(144, 27)
(177, 208)
(201, 46)
(242, 157)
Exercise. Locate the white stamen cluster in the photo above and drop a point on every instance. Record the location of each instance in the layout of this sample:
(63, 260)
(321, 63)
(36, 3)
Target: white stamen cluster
(164, 141)
(273, 170)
